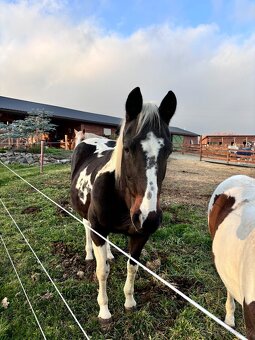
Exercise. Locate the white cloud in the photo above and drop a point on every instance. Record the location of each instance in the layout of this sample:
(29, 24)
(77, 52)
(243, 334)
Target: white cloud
(46, 58)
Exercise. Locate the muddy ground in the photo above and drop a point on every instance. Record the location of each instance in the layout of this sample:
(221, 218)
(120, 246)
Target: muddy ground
(191, 182)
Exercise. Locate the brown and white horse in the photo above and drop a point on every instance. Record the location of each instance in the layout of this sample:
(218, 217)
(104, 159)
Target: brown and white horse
(81, 135)
(117, 189)
(231, 217)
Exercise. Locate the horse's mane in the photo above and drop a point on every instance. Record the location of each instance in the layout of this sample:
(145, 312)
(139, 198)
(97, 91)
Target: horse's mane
(148, 116)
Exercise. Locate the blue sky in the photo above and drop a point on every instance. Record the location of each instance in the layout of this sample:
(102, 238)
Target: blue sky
(89, 54)
(125, 17)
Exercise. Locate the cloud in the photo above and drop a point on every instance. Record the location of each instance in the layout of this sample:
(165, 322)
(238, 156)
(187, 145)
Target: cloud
(45, 57)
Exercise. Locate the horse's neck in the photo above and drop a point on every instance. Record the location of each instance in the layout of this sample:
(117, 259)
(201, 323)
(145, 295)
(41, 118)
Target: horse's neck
(123, 191)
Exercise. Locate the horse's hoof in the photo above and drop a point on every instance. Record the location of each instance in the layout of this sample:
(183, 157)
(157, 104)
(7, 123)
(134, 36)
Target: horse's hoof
(130, 309)
(105, 322)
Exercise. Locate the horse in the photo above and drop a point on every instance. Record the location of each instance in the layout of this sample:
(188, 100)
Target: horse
(116, 189)
(231, 217)
(79, 136)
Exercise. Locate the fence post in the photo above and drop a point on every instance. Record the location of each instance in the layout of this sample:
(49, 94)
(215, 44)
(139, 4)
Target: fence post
(227, 156)
(201, 151)
(42, 156)
(66, 142)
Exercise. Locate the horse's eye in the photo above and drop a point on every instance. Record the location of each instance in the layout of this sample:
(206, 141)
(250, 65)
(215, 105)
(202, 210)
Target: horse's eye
(126, 149)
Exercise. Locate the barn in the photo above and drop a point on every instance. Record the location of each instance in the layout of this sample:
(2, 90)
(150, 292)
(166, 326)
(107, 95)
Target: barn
(181, 137)
(226, 140)
(66, 119)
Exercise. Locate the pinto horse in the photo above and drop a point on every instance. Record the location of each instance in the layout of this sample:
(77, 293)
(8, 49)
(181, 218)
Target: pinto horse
(117, 189)
(231, 217)
(81, 135)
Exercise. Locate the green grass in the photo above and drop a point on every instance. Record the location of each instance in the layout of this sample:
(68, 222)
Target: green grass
(183, 245)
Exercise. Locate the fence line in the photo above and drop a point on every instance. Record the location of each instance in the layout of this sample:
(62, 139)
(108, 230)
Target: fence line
(30, 305)
(220, 153)
(45, 270)
(169, 285)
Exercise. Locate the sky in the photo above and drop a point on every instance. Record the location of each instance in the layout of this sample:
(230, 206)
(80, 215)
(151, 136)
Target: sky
(88, 55)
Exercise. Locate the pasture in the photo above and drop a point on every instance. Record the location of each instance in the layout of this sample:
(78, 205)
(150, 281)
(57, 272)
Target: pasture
(180, 252)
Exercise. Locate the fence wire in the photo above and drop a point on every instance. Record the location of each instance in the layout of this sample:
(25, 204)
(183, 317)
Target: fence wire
(30, 305)
(45, 270)
(169, 285)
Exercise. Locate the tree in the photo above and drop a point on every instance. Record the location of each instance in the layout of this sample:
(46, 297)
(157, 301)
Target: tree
(34, 126)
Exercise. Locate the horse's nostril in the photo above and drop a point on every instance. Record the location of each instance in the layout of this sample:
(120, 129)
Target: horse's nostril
(136, 219)
(153, 221)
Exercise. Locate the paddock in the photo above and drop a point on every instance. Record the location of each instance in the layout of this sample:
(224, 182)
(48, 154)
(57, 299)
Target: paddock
(180, 252)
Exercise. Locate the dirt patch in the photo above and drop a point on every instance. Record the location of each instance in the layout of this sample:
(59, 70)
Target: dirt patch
(73, 263)
(31, 210)
(191, 182)
(65, 204)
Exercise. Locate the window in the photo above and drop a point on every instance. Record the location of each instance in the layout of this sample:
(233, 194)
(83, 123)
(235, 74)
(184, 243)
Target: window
(107, 132)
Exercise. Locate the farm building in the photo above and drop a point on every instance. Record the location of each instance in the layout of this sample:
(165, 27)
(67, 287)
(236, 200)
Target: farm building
(228, 140)
(68, 119)
(183, 137)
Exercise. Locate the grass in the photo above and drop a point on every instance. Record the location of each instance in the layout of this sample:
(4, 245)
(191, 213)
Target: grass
(182, 244)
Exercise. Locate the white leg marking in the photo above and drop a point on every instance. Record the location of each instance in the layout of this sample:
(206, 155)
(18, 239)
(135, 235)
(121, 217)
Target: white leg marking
(102, 270)
(230, 310)
(108, 249)
(88, 245)
(129, 285)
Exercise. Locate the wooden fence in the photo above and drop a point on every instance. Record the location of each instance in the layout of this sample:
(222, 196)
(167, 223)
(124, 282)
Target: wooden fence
(223, 154)
(19, 143)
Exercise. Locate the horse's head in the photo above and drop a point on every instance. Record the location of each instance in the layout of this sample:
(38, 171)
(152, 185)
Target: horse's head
(146, 145)
(79, 137)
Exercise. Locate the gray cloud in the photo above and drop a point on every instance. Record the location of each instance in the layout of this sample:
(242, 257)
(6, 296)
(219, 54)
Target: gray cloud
(46, 58)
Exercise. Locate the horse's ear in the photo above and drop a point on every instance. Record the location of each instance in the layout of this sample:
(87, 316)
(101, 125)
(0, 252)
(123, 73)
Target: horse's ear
(83, 131)
(167, 107)
(134, 104)
(75, 131)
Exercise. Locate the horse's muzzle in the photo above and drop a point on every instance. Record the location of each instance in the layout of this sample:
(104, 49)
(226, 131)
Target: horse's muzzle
(148, 224)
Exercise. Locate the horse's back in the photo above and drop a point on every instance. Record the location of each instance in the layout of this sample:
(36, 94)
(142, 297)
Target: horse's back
(239, 186)
(89, 150)
(232, 226)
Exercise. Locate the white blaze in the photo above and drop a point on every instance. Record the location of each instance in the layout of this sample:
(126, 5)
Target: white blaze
(151, 147)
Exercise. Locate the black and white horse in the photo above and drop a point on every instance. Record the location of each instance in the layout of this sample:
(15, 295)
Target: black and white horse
(117, 188)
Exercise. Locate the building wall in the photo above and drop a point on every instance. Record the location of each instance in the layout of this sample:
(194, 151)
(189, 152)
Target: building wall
(100, 130)
(191, 140)
(186, 140)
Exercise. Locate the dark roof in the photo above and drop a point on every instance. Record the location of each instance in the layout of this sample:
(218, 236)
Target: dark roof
(24, 106)
(177, 131)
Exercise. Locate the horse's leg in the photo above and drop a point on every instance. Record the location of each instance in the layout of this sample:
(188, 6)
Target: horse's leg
(230, 310)
(88, 246)
(102, 270)
(136, 245)
(109, 253)
(249, 317)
